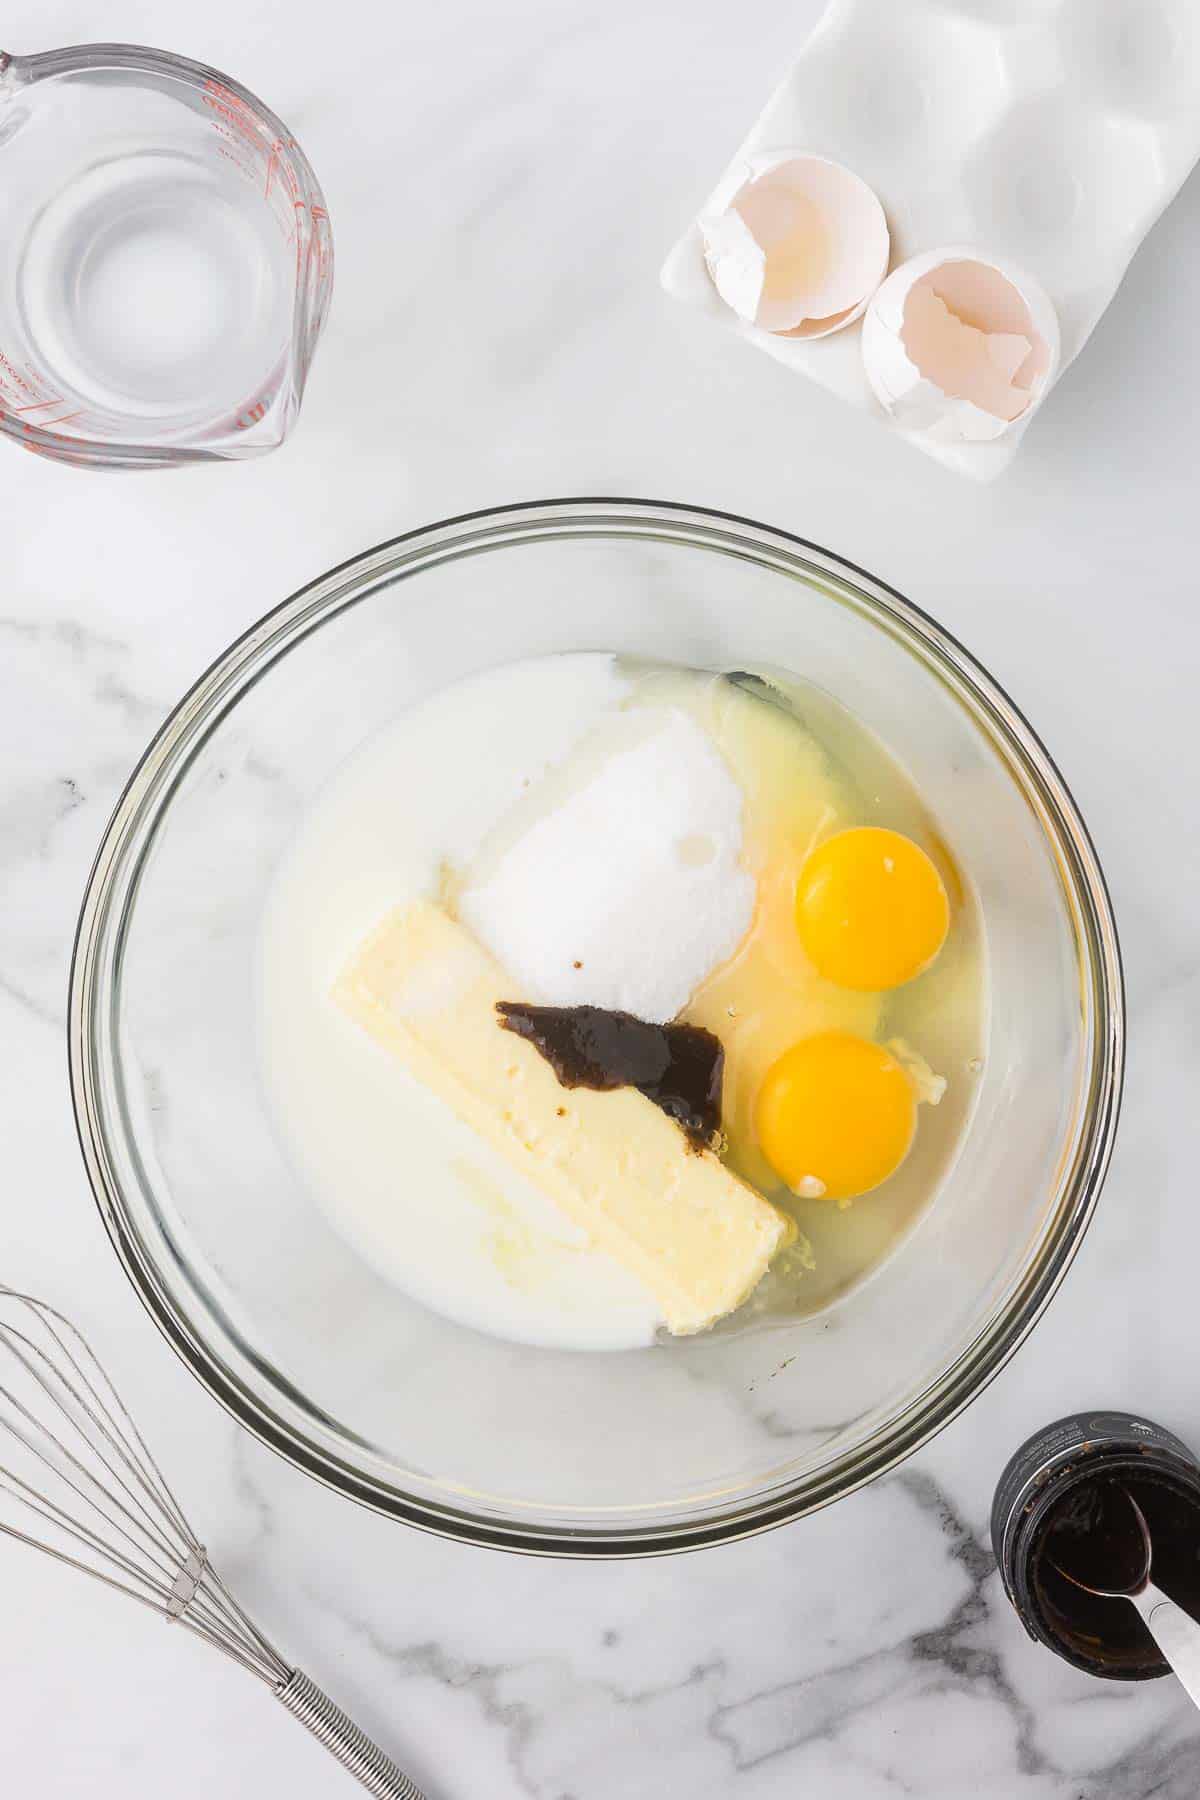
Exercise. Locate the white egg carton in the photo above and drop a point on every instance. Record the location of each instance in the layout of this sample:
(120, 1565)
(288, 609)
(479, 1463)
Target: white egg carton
(1049, 132)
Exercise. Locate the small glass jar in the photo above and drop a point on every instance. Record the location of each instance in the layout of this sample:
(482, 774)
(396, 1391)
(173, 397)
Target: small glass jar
(1103, 1637)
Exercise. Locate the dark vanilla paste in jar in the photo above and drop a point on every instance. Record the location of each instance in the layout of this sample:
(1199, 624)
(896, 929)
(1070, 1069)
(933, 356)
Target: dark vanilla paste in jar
(1058, 1508)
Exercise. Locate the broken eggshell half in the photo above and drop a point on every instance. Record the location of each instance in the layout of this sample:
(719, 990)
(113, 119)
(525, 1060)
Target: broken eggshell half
(795, 244)
(960, 347)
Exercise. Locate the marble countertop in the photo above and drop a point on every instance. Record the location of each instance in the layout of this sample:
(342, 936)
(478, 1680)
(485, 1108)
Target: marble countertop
(503, 182)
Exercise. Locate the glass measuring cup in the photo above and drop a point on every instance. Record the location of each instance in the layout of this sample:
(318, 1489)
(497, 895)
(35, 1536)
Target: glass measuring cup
(166, 261)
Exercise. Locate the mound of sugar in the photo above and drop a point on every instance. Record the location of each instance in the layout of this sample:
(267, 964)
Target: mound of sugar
(618, 881)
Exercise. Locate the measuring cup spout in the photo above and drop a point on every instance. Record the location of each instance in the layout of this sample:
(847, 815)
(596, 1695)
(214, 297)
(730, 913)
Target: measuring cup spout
(13, 77)
(14, 74)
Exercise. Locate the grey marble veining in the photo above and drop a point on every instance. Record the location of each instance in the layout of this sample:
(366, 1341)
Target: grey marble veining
(503, 183)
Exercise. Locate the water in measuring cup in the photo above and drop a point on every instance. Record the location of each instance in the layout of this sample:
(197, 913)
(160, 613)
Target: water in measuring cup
(150, 290)
(150, 286)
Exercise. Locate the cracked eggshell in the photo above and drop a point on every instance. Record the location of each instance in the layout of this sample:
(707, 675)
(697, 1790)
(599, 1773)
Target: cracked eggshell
(960, 347)
(796, 244)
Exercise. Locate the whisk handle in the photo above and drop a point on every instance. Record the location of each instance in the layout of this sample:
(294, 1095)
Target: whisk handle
(343, 1739)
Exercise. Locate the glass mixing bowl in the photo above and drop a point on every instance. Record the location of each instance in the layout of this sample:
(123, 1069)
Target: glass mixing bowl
(622, 1453)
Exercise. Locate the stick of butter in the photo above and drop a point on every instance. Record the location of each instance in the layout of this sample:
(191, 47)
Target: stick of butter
(694, 1234)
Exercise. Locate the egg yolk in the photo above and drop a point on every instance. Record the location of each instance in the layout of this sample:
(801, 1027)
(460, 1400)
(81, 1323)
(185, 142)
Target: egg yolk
(838, 1110)
(871, 909)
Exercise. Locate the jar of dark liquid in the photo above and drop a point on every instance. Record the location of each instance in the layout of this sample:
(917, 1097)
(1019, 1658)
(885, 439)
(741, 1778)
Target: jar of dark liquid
(1053, 1508)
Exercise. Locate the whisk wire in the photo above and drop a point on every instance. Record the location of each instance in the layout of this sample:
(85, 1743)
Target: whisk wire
(77, 1464)
(55, 1454)
(108, 1498)
(239, 1618)
(70, 1527)
(111, 1417)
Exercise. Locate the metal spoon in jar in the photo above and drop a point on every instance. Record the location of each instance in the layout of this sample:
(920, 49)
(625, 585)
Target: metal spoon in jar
(1175, 1632)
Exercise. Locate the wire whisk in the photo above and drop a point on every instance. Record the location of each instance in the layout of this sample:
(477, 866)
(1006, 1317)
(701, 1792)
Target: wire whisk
(88, 1492)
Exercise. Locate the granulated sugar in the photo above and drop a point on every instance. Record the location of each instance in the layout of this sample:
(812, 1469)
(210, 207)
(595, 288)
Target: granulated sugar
(618, 882)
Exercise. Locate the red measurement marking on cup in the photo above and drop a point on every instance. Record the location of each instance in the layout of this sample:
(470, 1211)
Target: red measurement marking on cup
(46, 425)
(231, 107)
(220, 92)
(243, 127)
(244, 136)
(27, 388)
(273, 164)
(321, 240)
(50, 443)
(23, 393)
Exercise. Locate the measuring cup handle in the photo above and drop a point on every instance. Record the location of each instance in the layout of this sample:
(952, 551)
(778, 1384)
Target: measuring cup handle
(1177, 1635)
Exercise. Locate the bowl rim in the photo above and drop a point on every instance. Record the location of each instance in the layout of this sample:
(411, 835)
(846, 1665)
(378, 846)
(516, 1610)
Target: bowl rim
(1080, 1178)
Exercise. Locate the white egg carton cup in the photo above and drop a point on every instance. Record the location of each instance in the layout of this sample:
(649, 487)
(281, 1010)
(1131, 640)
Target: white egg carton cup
(1049, 132)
